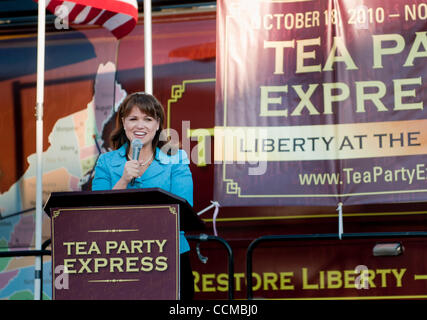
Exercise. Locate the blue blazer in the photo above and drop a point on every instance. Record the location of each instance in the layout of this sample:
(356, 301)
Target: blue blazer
(170, 173)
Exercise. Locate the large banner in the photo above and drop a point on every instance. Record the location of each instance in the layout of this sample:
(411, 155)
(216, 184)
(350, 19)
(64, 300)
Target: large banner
(320, 102)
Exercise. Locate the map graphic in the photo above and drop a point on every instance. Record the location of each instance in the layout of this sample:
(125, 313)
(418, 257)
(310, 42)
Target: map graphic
(75, 143)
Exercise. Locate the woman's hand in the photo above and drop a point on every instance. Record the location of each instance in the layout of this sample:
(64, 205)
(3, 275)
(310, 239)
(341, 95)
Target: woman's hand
(130, 171)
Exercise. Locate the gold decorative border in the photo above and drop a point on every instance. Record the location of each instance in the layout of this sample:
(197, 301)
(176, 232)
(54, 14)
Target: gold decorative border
(177, 91)
(316, 216)
(172, 210)
(232, 187)
(111, 208)
(114, 230)
(113, 280)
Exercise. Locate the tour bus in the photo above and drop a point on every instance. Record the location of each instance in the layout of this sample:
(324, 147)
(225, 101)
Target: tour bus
(283, 252)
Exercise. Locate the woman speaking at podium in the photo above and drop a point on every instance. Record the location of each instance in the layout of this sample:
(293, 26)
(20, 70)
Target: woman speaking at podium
(141, 159)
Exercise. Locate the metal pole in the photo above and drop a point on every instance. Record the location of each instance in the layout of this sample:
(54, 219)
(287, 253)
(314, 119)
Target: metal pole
(39, 143)
(148, 54)
(204, 237)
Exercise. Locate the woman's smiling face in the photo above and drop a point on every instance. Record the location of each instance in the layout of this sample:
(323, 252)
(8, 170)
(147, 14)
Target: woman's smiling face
(139, 125)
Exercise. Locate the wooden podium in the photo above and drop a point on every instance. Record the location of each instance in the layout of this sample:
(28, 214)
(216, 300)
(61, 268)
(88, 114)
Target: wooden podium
(117, 244)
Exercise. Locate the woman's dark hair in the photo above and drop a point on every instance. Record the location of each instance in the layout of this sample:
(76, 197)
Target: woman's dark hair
(147, 104)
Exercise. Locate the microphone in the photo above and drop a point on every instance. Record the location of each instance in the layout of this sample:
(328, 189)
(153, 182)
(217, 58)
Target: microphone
(136, 146)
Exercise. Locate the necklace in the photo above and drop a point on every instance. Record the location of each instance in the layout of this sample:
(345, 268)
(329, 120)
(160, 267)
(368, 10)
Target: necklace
(144, 163)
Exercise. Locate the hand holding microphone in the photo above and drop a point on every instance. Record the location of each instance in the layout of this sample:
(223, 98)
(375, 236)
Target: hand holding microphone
(136, 146)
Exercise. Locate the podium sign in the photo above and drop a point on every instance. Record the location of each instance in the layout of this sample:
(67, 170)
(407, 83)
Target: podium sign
(115, 253)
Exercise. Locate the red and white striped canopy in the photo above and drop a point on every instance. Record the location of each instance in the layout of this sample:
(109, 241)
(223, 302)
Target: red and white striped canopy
(118, 16)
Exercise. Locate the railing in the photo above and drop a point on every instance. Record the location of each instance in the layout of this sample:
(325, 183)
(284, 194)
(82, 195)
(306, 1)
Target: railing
(325, 236)
(249, 255)
(29, 253)
(204, 238)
